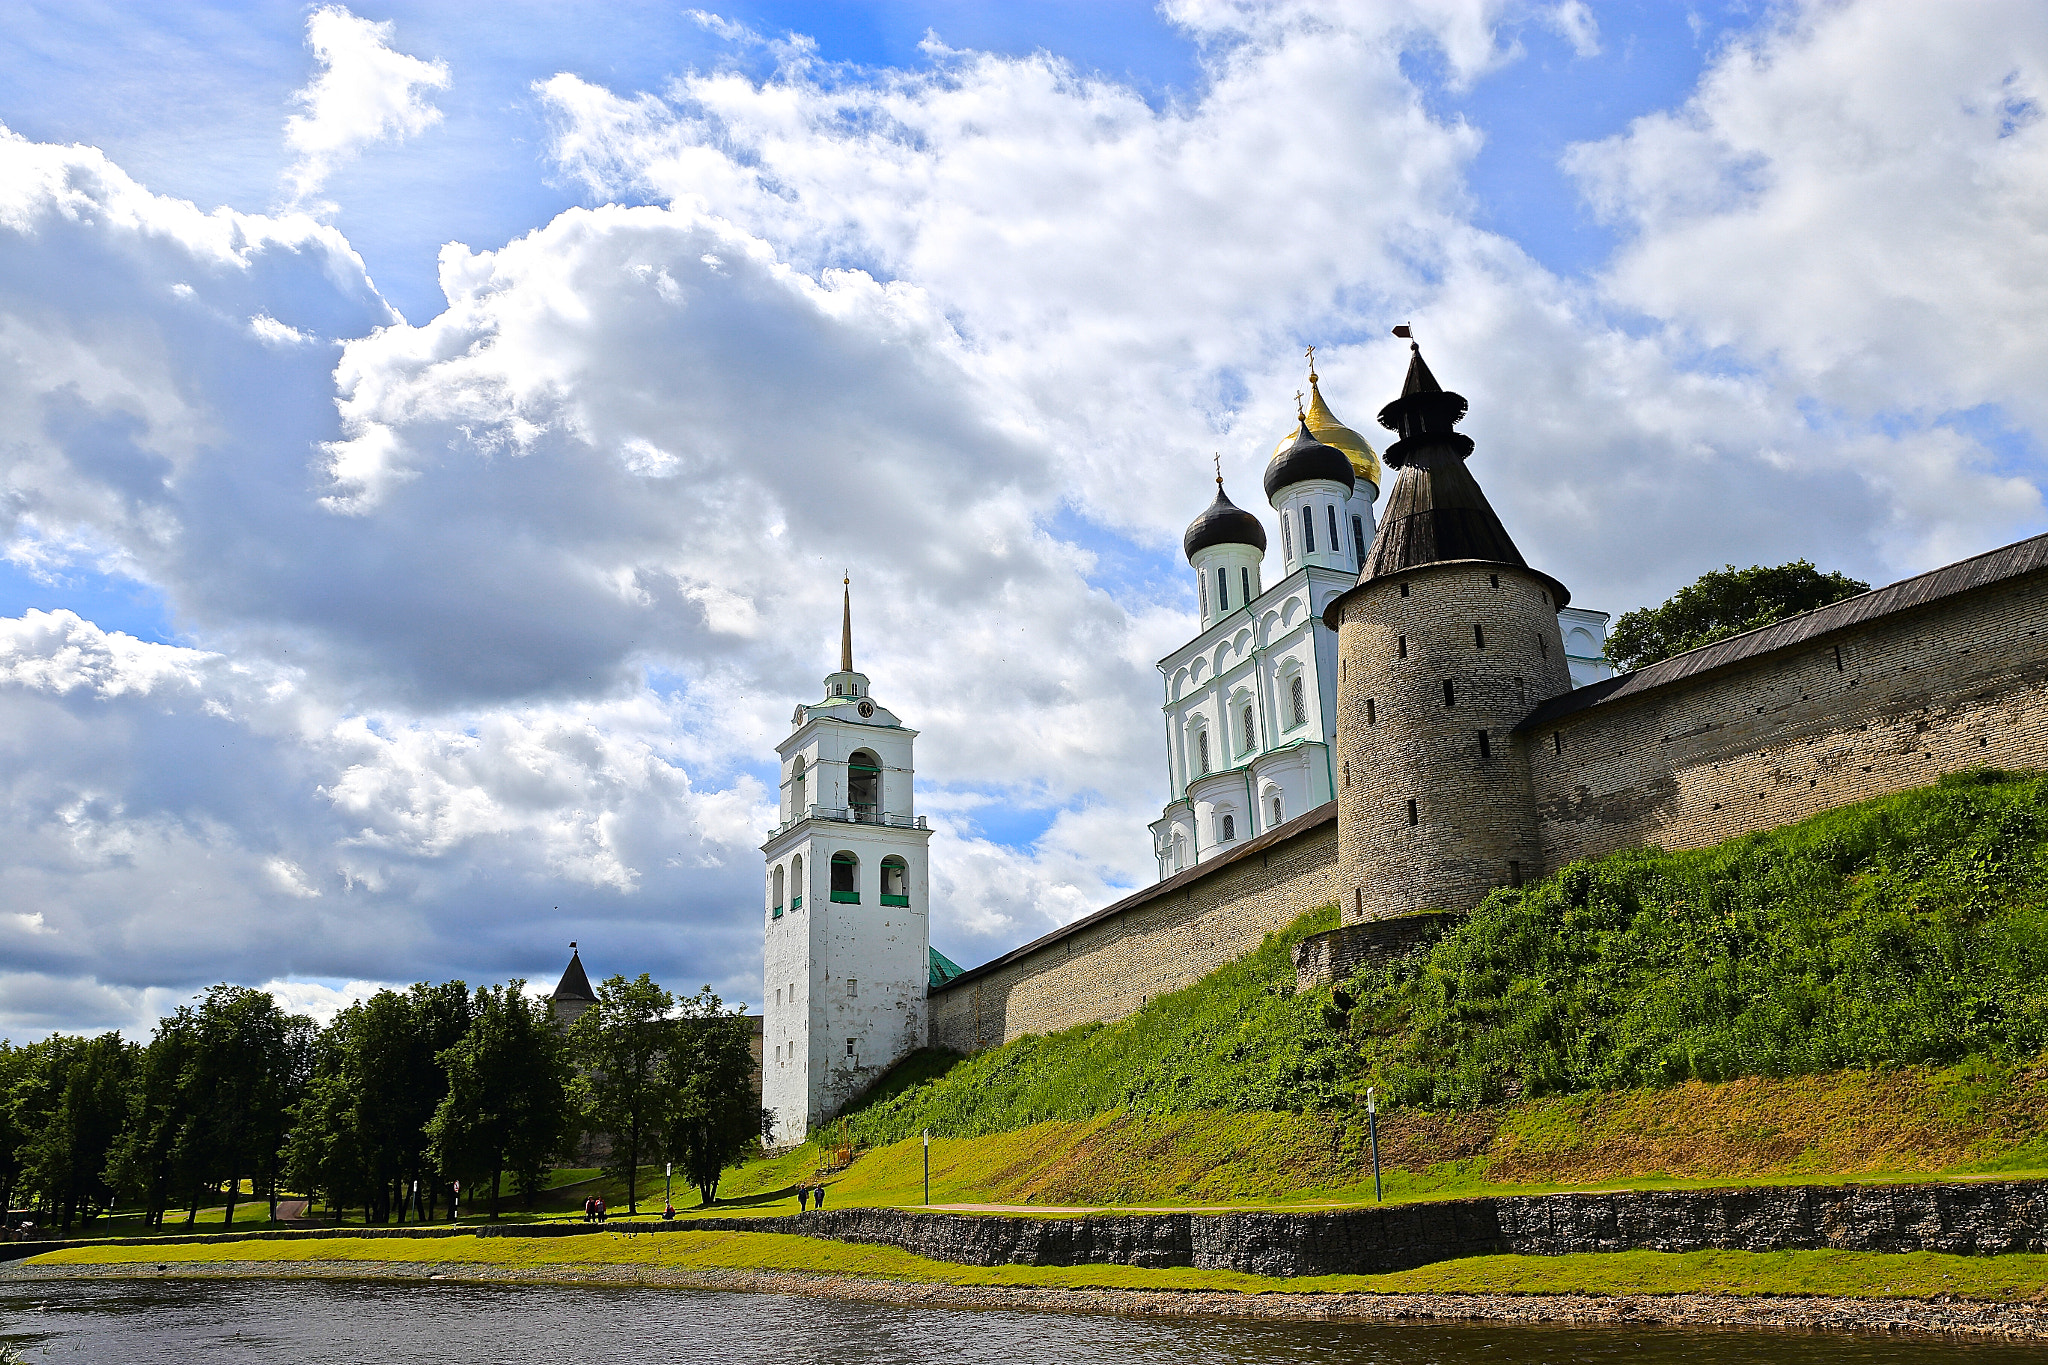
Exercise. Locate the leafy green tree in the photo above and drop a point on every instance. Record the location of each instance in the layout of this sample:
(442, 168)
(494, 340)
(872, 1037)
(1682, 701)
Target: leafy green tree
(249, 1060)
(144, 1164)
(1725, 602)
(709, 1075)
(359, 1131)
(14, 1065)
(507, 1108)
(619, 1042)
(83, 1105)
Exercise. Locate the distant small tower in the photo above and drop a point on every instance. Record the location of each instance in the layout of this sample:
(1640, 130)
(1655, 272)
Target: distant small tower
(573, 994)
(1446, 643)
(846, 955)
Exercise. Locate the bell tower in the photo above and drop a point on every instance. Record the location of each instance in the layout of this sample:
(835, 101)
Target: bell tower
(846, 955)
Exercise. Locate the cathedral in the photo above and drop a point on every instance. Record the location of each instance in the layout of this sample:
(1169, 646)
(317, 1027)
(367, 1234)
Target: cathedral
(1251, 700)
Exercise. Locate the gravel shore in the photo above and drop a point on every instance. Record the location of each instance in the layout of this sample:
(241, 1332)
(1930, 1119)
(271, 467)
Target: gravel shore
(1963, 1317)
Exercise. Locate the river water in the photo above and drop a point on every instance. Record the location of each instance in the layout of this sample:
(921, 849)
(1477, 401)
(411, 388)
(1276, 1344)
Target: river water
(315, 1323)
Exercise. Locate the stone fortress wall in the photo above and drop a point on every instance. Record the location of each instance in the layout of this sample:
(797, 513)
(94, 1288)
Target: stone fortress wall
(1876, 694)
(1881, 693)
(1166, 937)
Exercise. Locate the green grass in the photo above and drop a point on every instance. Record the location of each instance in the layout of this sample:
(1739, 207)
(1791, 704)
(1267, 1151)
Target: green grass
(1906, 931)
(1846, 1274)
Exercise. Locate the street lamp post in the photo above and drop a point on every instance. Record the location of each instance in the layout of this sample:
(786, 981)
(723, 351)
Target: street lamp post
(668, 1184)
(927, 1168)
(1372, 1123)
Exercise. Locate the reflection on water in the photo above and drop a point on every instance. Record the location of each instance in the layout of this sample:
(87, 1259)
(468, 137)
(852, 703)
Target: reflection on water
(315, 1323)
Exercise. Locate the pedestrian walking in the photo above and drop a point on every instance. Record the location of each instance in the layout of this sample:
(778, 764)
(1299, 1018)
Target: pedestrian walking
(590, 1209)
(818, 1196)
(803, 1198)
(599, 1199)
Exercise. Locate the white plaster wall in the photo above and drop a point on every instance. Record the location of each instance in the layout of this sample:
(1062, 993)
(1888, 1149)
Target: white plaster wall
(1320, 497)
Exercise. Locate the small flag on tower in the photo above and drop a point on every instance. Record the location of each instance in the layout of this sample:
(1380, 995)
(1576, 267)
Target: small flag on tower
(1402, 331)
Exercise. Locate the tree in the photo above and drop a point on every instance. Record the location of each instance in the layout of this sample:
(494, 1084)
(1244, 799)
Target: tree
(359, 1132)
(81, 1099)
(144, 1164)
(709, 1074)
(14, 1065)
(248, 1063)
(620, 1042)
(507, 1106)
(1725, 602)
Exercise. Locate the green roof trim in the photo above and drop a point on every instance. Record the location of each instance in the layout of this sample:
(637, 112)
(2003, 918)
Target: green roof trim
(944, 969)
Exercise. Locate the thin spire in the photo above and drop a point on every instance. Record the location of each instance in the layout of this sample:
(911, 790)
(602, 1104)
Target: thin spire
(846, 624)
(1217, 456)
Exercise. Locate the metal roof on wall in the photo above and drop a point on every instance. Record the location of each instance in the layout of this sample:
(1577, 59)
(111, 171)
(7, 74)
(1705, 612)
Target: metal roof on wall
(1997, 566)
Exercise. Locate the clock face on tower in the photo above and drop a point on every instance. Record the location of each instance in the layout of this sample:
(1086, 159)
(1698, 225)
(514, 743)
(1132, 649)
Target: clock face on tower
(866, 708)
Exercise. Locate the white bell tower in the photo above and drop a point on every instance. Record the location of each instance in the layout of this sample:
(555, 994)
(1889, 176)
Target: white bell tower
(846, 961)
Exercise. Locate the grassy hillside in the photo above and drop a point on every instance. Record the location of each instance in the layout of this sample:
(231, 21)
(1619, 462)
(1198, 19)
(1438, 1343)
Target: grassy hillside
(1909, 930)
(1975, 1118)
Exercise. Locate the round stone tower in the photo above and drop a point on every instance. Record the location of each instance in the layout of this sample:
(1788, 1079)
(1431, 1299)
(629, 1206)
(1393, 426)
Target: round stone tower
(1445, 644)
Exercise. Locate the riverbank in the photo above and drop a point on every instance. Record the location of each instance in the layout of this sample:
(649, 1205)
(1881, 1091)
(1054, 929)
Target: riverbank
(1942, 1314)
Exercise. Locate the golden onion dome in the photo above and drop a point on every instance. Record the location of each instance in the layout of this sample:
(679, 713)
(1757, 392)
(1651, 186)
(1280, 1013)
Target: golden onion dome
(1324, 426)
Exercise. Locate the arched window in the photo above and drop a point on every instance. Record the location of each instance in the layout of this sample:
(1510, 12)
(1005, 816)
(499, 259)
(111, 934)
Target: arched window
(845, 879)
(895, 881)
(1229, 827)
(1358, 540)
(1222, 588)
(1201, 753)
(797, 805)
(777, 891)
(1286, 538)
(1336, 541)
(1251, 731)
(1308, 529)
(1203, 584)
(1297, 694)
(796, 883)
(1244, 577)
(1278, 817)
(1180, 851)
(864, 785)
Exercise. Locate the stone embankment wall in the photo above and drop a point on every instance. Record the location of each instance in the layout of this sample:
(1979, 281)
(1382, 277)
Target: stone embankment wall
(1989, 1219)
(1968, 1220)
(1827, 719)
(1162, 939)
(1322, 958)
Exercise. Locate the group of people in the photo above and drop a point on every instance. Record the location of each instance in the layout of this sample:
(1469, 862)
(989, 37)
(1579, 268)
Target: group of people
(593, 1209)
(807, 1193)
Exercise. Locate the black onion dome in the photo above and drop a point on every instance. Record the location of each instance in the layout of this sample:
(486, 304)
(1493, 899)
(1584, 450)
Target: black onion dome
(1225, 523)
(1308, 459)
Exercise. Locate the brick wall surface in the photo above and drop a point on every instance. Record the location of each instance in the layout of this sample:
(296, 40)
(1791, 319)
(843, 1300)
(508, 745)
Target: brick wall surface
(1878, 708)
(1108, 969)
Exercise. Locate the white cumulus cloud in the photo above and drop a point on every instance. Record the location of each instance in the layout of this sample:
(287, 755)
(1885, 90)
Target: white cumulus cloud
(365, 92)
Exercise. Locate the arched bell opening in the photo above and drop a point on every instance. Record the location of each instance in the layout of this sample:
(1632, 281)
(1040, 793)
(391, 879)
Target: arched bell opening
(845, 879)
(895, 881)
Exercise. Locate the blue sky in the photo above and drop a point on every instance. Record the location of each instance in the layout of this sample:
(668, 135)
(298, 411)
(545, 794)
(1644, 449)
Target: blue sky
(417, 559)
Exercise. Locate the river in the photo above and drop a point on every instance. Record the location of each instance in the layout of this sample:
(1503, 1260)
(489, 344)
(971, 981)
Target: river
(317, 1323)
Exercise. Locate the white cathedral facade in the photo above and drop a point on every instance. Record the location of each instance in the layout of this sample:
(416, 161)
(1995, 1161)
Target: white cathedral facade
(1251, 724)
